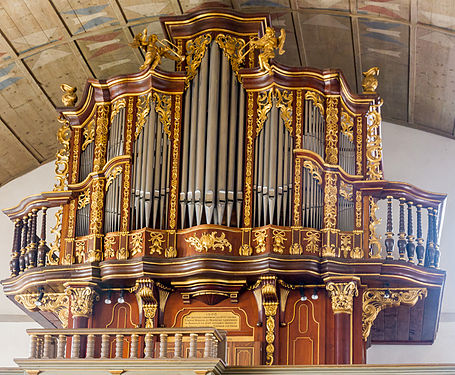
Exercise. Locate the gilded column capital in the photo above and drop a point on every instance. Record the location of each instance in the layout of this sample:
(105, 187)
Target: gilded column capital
(342, 295)
(82, 299)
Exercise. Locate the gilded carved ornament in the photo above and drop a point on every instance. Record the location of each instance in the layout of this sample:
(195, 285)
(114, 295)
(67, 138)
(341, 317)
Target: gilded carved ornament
(54, 252)
(209, 241)
(146, 300)
(79, 253)
(330, 200)
(96, 206)
(163, 105)
(331, 136)
(175, 167)
(69, 98)
(260, 237)
(62, 157)
(195, 51)
(342, 296)
(279, 238)
(374, 241)
(231, 47)
(89, 134)
(82, 300)
(156, 241)
(370, 81)
(345, 244)
(374, 300)
(58, 303)
(109, 242)
(113, 175)
(318, 100)
(374, 143)
(137, 243)
(247, 199)
(270, 305)
(346, 190)
(83, 199)
(143, 109)
(359, 153)
(282, 99)
(347, 126)
(155, 49)
(313, 239)
(314, 170)
(102, 123)
(116, 107)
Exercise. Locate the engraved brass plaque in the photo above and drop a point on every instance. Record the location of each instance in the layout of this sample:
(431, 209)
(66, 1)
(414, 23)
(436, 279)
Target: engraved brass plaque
(218, 319)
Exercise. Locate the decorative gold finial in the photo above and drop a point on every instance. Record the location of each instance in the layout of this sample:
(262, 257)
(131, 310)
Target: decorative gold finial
(370, 82)
(153, 51)
(268, 43)
(69, 98)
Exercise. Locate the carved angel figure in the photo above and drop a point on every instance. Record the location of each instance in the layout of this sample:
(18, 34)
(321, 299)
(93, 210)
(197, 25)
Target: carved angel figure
(268, 43)
(154, 49)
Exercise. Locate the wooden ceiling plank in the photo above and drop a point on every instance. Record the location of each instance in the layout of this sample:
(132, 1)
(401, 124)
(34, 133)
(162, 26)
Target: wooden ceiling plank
(412, 59)
(72, 44)
(356, 45)
(299, 37)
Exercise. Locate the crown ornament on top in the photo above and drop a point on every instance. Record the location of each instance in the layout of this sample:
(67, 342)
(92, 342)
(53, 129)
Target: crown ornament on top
(370, 80)
(155, 49)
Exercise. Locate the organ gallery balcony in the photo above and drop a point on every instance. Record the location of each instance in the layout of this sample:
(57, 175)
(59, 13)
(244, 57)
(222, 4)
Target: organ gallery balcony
(232, 193)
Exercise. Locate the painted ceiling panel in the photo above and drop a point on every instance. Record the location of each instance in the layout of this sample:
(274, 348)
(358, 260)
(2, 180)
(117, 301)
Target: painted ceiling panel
(138, 9)
(324, 4)
(109, 54)
(29, 24)
(395, 9)
(50, 68)
(191, 5)
(327, 41)
(86, 15)
(245, 4)
(435, 80)
(386, 45)
(439, 13)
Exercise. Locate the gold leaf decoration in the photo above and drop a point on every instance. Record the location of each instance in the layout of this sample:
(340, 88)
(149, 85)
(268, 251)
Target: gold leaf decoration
(89, 134)
(195, 50)
(209, 241)
(156, 239)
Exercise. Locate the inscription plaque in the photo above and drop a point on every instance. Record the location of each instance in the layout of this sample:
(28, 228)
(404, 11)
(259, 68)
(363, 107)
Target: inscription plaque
(218, 319)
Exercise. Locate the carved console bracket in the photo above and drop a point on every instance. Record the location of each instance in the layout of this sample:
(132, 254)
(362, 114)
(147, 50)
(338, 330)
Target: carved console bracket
(342, 295)
(58, 303)
(146, 300)
(376, 299)
(270, 305)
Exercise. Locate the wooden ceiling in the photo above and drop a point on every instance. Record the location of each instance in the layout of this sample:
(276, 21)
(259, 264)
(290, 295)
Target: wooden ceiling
(44, 43)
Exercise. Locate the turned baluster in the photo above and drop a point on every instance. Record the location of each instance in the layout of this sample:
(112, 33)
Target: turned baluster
(90, 353)
(163, 345)
(29, 240)
(104, 346)
(61, 346)
(24, 244)
(16, 249)
(178, 345)
(193, 345)
(148, 351)
(429, 254)
(389, 241)
(32, 248)
(118, 346)
(33, 346)
(47, 346)
(41, 257)
(402, 235)
(437, 254)
(410, 246)
(75, 346)
(420, 249)
(208, 345)
(134, 345)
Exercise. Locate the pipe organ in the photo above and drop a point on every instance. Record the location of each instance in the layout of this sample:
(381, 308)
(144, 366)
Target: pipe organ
(232, 193)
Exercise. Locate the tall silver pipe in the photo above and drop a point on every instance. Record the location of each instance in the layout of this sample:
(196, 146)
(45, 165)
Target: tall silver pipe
(233, 135)
(193, 149)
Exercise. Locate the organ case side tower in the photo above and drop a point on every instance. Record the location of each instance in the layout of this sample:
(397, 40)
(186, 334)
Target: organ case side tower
(235, 193)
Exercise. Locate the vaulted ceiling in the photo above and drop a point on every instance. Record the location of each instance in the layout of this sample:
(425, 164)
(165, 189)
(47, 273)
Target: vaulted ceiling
(44, 43)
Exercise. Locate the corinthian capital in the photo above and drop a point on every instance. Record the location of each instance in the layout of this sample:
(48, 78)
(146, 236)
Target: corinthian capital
(342, 296)
(82, 299)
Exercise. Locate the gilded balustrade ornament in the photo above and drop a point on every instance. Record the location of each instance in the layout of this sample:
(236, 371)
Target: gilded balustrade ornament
(279, 238)
(137, 243)
(155, 49)
(209, 241)
(260, 237)
(195, 51)
(370, 82)
(318, 100)
(58, 303)
(82, 300)
(314, 170)
(374, 143)
(374, 300)
(62, 157)
(347, 125)
(89, 134)
(331, 135)
(113, 175)
(156, 240)
(313, 239)
(342, 296)
(231, 47)
(374, 241)
(69, 98)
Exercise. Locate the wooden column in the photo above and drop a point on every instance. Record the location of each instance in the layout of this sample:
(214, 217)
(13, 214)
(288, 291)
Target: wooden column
(342, 294)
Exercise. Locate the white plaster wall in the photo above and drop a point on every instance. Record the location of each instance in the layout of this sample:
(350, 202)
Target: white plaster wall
(413, 156)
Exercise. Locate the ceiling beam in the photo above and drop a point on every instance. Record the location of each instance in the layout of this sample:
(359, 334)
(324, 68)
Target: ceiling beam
(412, 59)
(355, 32)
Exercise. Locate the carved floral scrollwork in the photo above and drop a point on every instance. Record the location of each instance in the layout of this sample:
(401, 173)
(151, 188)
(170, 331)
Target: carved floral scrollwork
(156, 240)
(318, 100)
(374, 143)
(330, 200)
(331, 135)
(102, 122)
(147, 302)
(209, 241)
(195, 51)
(113, 175)
(314, 170)
(109, 242)
(313, 239)
(62, 157)
(347, 125)
(376, 300)
(137, 243)
(231, 47)
(283, 99)
(279, 238)
(96, 204)
(375, 243)
(89, 134)
(260, 237)
(143, 109)
(83, 199)
(82, 299)
(346, 190)
(163, 105)
(342, 295)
